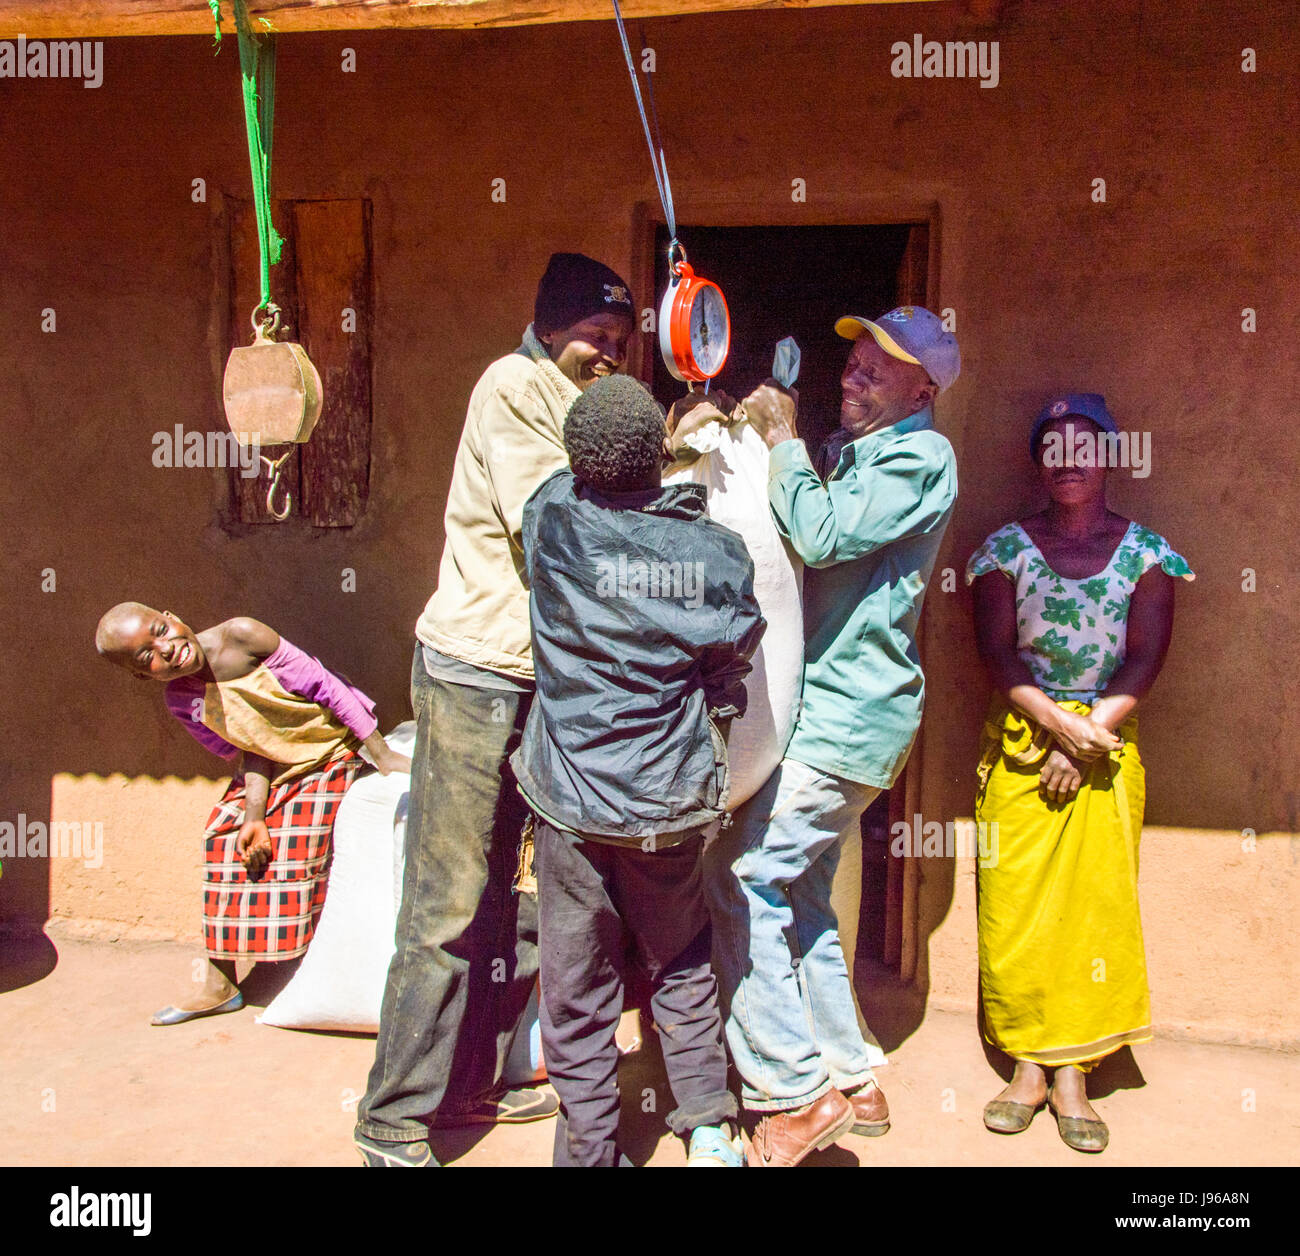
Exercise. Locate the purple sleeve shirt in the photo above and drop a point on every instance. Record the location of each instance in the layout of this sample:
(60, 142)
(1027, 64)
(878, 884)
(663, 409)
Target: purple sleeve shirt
(306, 676)
(298, 673)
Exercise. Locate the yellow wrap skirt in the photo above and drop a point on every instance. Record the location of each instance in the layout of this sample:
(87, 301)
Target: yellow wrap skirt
(1062, 967)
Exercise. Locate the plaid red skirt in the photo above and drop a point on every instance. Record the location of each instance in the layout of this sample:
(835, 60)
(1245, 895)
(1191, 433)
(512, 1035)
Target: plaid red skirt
(274, 917)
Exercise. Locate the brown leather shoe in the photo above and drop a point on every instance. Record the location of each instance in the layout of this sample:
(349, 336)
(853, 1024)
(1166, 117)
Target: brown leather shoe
(870, 1111)
(782, 1139)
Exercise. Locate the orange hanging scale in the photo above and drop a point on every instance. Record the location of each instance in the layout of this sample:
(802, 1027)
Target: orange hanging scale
(271, 389)
(694, 323)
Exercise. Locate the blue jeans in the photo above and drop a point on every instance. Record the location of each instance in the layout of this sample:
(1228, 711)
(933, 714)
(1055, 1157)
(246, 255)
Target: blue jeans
(791, 1023)
(466, 958)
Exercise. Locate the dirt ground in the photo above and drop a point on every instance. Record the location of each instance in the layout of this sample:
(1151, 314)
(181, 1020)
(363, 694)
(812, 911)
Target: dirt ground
(88, 1081)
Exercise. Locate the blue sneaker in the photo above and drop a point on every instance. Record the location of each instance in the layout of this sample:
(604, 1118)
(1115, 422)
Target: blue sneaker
(713, 1148)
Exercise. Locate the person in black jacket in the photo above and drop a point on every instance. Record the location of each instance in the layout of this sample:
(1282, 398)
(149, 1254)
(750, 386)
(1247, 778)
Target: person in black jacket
(643, 622)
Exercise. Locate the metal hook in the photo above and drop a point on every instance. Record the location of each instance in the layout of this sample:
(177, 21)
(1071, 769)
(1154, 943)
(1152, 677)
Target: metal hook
(674, 268)
(275, 466)
(268, 324)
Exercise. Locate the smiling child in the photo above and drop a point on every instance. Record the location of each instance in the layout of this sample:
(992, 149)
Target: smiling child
(243, 691)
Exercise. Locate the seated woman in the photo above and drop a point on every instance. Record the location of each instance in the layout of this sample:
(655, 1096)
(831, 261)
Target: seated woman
(240, 687)
(1073, 614)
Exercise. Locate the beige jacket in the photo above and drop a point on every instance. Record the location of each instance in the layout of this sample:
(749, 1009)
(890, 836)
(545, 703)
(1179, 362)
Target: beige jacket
(512, 441)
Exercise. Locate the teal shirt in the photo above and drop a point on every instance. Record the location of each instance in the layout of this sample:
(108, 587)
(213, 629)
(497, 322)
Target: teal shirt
(869, 537)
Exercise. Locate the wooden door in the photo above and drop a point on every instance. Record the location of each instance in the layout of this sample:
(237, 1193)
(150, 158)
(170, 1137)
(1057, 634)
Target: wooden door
(903, 877)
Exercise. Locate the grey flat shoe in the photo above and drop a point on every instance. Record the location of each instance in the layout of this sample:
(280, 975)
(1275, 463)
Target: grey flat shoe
(1082, 1134)
(174, 1016)
(1006, 1116)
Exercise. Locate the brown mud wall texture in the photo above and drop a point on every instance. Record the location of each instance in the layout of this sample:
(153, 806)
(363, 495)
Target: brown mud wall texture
(1140, 296)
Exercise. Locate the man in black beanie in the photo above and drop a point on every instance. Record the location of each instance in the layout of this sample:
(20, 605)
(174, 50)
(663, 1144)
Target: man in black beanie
(580, 302)
(466, 958)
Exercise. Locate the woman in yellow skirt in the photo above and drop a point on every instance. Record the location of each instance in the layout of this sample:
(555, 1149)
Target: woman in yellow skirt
(1073, 616)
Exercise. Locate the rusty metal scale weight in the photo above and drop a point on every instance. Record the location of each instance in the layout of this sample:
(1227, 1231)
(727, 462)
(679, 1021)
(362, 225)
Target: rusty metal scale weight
(272, 395)
(271, 390)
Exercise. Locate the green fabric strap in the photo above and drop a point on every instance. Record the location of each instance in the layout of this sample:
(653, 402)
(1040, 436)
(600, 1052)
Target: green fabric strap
(257, 64)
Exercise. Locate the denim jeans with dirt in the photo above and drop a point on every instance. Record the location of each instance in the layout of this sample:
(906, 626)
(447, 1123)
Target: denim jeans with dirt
(466, 958)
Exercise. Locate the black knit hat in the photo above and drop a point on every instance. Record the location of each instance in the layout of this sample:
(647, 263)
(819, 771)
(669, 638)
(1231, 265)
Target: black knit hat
(576, 287)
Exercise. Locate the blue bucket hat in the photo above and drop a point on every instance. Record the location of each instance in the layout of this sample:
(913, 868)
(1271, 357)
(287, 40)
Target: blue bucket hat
(1090, 406)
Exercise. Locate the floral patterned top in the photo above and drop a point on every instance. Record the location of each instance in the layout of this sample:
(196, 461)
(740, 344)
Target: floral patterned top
(1072, 633)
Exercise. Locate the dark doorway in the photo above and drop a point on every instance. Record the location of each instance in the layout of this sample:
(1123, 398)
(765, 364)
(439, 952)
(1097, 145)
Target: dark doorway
(796, 281)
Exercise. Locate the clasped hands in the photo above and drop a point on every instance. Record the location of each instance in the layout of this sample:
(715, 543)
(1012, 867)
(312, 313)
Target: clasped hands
(770, 409)
(1080, 741)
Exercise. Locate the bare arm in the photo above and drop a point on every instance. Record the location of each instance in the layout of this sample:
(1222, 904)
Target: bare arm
(245, 643)
(385, 760)
(995, 636)
(1150, 626)
(254, 840)
(258, 772)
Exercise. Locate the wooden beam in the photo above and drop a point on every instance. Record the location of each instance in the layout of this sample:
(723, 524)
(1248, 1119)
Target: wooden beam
(66, 19)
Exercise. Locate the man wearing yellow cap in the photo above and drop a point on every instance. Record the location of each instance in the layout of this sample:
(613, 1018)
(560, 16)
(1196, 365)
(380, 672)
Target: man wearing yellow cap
(868, 533)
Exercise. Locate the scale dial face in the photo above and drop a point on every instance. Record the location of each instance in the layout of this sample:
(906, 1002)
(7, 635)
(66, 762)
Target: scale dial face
(710, 330)
(694, 327)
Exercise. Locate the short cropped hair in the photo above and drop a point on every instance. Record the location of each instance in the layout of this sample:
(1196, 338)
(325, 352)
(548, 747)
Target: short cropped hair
(614, 435)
